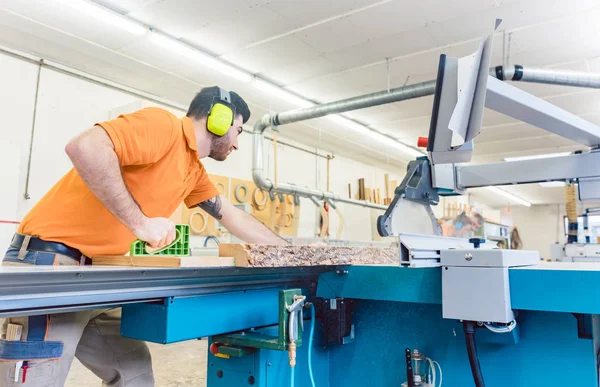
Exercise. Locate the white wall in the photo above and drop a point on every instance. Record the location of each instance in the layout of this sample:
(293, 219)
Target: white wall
(68, 105)
(543, 225)
(540, 226)
(491, 214)
(18, 81)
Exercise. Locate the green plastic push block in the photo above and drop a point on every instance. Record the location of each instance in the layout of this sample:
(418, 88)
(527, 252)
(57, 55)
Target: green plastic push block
(180, 247)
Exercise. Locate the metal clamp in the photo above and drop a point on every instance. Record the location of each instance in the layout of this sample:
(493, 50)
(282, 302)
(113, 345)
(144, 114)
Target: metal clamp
(331, 203)
(314, 200)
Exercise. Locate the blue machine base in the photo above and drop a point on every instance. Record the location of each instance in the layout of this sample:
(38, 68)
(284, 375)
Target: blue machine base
(546, 352)
(266, 368)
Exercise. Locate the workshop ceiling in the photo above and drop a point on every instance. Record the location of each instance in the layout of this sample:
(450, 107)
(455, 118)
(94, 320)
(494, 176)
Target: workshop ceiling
(325, 50)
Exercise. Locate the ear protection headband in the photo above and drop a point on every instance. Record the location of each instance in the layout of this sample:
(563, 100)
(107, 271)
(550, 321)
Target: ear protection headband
(220, 115)
(458, 224)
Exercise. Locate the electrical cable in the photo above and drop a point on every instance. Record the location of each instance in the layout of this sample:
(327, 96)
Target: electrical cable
(292, 376)
(441, 376)
(310, 343)
(433, 372)
(213, 238)
(469, 328)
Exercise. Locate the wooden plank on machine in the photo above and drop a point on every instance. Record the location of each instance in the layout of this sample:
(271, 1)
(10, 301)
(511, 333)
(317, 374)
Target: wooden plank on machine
(386, 179)
(162, 261)
(248, 255)
(361, 189)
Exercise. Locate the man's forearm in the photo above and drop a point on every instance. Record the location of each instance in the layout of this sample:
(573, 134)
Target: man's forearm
(95, 160)
(240, 223)
(249, 229)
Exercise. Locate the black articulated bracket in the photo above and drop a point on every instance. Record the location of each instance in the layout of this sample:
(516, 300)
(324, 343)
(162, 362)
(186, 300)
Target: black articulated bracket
(337, 320)
(416, 186)
(584, 325)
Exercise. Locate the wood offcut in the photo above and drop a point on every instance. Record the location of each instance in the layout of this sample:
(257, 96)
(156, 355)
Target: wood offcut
(248, 255)
(162, 261)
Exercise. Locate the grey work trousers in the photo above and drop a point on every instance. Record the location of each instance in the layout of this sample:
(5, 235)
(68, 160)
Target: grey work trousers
(92, 336)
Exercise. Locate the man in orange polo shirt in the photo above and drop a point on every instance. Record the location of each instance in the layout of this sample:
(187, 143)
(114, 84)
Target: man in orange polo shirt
(129, 175)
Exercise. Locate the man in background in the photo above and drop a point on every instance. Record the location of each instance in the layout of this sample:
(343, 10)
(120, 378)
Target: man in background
(463, 226)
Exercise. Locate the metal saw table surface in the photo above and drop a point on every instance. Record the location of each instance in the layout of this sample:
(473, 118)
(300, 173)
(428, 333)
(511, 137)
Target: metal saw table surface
(412, 318)
(560, 287)
(31, 290)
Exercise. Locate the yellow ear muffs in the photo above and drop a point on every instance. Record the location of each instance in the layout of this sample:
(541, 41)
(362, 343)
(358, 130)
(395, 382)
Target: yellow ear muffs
(220, 117)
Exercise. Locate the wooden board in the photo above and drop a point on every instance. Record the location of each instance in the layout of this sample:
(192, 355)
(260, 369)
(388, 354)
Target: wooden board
(361, 189)
(200, 222)
(248, 255)
(248, 197)
(162, 261)
(277, 216)
(222, 184)
(393, 185)
(386, 179)
(289, 217)
(264, 213)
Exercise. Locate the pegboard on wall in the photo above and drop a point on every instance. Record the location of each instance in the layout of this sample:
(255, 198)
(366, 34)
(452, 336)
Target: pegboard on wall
(280, 216)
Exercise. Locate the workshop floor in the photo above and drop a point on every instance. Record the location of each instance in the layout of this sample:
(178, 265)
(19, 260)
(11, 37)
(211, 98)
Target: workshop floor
(175, 365)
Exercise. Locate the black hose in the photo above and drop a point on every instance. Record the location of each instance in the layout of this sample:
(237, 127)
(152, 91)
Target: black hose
(469, 328)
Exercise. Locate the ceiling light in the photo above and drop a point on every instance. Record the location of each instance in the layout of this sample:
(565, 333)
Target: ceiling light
(200, 57)
(509, 196)
(396, 144)
(106, 15)
(535, 157)
(350, 124)
(382, 138)
(552, 184)
(281, 93)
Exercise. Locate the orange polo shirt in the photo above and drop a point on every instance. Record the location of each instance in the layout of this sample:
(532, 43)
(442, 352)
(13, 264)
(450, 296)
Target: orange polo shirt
(160, 167)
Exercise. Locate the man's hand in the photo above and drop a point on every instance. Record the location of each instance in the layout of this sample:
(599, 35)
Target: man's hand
(158, 232)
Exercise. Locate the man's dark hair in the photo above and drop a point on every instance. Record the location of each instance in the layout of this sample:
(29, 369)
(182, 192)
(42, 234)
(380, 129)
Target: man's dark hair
(202, 102)
(478, 218)
(464, 219)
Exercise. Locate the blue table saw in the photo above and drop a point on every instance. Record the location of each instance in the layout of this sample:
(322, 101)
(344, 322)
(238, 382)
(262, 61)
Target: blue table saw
(379, 311)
